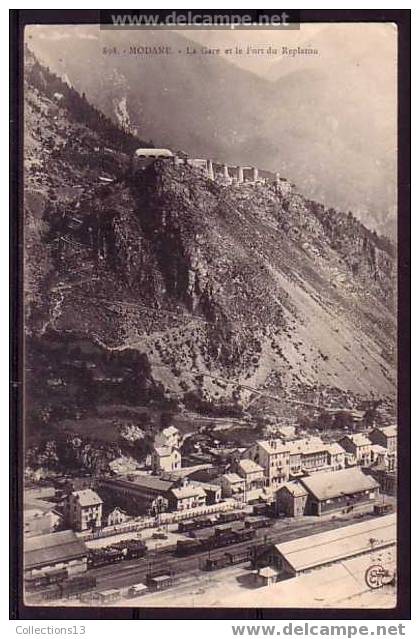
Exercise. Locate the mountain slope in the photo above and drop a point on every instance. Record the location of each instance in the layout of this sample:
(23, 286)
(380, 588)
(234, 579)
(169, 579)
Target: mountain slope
(330, 129)
(161, 285)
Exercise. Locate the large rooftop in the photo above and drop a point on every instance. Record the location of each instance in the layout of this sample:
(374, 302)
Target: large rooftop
(341, 482)
(306, 446)
(163, 451)
(170, 430)
(335, 449)
(249, 466)
(359, 439)
(295, 488)
(389, 431)
(87, 497)
(341, 543)
(233, 478)
(53, 548)
(272, 446)
(188, 491)
(142, 481)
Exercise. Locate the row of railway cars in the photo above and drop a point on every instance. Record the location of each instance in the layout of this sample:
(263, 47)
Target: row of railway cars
(227, 559)
(206, 522)
(38, 590)
(116, 552)
(222, 518)
(84, 589)
(217, 538)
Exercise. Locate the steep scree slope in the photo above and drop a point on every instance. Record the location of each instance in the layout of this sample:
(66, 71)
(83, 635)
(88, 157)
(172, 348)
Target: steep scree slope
(199, 283)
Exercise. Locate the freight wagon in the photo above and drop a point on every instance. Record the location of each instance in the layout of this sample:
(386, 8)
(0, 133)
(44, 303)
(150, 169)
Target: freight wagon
(228, 559)
(159, 580)
(186, 547)
(222, 536)
(258, 522)
(77, 586)
(108, 596)
(37, 582)
(224, 518)
(46, 594)
(195, 524)
(62, 590)
(382, 509)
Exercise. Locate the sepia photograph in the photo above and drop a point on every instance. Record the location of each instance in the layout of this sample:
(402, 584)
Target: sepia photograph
(210, 316)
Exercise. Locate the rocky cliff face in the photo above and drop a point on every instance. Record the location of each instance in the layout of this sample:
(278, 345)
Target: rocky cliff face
(328, 123)
(159, 284)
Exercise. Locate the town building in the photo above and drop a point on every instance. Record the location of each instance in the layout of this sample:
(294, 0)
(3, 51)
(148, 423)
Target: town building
(378, 455)
(307, 456)
(336, 456)
(266, 576)
(39, 521)
(83, 510)
(64, 551)
(251, 472)
(386, 437)
(359, 446)
(293, 558)
(213, 491)
(386, 478)
(274, 457)
(233, 486)
(187, 497)
(341, 490)
(138, 493)
(291, 499)
(165, 459)
(114, 516)
(40, 516)
(169, 436)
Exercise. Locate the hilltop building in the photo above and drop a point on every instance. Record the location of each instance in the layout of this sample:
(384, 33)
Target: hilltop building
(165, 459)
(169, 436)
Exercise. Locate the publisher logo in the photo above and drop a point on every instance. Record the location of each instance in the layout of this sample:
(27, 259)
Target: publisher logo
(377, 576)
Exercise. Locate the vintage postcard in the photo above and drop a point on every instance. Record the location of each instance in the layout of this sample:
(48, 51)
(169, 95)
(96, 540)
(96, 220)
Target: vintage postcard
(210, 267)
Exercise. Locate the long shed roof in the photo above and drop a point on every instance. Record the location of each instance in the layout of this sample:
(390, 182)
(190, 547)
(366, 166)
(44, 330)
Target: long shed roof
(53, 548)
(339, 544)
(341, 482)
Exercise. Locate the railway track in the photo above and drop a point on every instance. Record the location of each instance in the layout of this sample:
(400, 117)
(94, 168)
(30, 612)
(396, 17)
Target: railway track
(127, 573)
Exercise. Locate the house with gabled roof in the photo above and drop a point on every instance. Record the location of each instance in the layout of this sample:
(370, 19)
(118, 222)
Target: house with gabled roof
(359, 446)
(341, 490)
(83, 510)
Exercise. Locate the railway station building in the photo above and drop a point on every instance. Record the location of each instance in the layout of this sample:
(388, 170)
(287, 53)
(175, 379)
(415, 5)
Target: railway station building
(293, 558)
(58, 551)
